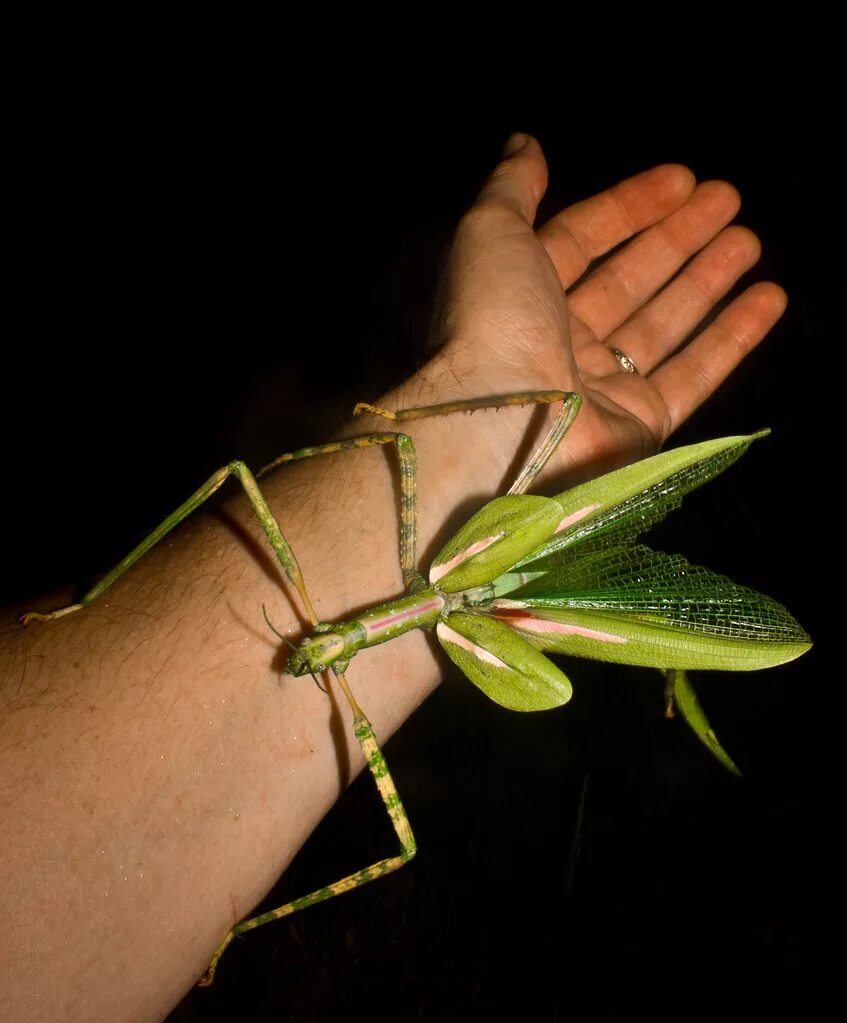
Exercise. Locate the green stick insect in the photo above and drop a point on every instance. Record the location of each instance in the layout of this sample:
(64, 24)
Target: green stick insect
(524, 576)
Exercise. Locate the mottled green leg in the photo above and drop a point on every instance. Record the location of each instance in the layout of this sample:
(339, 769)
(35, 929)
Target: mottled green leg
(408, 531)
(570, 407)
(408, 487)
(385, 784)
(260, 507)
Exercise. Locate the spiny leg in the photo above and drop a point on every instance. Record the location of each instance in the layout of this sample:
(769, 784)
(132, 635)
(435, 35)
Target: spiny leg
(408, 489)
(408, 531)
(570, 408)
(260, 507)
(391, 800)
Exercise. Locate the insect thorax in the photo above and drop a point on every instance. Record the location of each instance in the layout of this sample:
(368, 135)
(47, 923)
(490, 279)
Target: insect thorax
(339, 642)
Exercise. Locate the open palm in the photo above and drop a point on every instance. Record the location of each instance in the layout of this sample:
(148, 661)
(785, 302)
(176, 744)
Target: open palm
(511, 325)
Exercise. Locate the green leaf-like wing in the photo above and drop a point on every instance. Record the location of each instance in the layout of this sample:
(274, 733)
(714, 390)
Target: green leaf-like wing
(500, 534)
(506, 667)
(632, 605)
(620, 505)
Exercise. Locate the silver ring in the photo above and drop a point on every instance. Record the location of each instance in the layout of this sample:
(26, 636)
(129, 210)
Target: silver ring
(626, 364)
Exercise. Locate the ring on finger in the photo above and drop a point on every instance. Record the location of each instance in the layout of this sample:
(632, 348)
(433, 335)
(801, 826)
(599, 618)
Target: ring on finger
(626, 364)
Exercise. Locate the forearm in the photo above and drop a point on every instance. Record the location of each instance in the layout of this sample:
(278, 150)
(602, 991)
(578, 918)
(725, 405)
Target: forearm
(156, 772)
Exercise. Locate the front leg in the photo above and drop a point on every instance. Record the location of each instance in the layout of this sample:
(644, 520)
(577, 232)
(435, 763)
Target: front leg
(260, 506)
(391, 800)
(285, 556)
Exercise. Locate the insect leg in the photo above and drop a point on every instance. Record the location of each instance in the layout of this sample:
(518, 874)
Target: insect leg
(570, 407)
(391, 800)
(260, 507)
(408, 488)
(286, 557)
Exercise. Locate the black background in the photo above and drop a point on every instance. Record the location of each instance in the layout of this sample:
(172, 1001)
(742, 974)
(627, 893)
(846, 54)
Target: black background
(197, 277)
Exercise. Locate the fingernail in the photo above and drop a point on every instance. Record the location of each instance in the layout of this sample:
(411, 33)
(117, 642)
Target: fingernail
(515, 143)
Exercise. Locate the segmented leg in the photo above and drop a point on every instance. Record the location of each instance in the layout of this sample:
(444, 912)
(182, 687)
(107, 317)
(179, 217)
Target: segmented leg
(570, 408)
(408, 530)
(390, 798)
(214, 483)
(408, 487)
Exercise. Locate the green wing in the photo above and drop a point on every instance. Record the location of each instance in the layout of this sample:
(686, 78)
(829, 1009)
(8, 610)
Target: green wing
(633, 605)
(620, 505)
(501, 532)
(506, 668)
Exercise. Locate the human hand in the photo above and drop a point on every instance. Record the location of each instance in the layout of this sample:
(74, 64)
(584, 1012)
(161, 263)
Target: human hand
(510, 327)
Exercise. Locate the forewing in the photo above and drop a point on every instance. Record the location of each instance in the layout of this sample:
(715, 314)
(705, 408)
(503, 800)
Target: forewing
(624, 503)
(504, 666)
(493, 540)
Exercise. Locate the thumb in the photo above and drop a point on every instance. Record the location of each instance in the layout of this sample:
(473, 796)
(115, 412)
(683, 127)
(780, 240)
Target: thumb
(519, 181)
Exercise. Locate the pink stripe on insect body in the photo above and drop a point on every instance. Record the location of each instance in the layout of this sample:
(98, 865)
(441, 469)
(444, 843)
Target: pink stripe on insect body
(515, 614)
(448, 635)
(439, 571)
(398, 617)
(576, 516)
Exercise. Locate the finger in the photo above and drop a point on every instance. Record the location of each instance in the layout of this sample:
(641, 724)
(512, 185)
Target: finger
(687, 380)
(518, 182)
(629, 278)
(595, 226)
(662, 325)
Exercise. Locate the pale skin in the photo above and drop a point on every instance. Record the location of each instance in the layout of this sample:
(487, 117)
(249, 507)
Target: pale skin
(156, 773)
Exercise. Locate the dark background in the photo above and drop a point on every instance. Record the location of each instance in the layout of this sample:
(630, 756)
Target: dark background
(195, 278)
